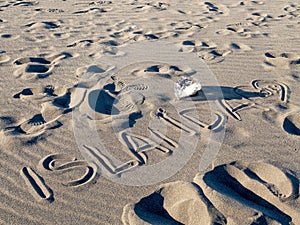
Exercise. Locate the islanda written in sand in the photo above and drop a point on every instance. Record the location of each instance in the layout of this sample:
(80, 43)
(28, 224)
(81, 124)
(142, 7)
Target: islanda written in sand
(142, 112)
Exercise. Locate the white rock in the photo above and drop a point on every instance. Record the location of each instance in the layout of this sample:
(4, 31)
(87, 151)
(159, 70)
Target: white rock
(186, 87)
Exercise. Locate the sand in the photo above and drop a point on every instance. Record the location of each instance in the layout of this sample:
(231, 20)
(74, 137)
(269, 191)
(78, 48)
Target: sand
(92, 130)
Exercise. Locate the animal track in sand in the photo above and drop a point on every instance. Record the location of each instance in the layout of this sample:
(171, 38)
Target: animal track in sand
(282, 61)
(39, 67)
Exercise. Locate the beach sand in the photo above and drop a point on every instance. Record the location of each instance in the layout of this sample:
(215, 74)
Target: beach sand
(93, 132)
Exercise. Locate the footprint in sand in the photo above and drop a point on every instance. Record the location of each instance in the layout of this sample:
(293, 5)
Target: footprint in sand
(92, 69)
(150, 6)
(130, 32)
(291, 123)
(239, 193)
(239, 46)
(209, 51)
(243, 29)
(52, 108)
(260, 18)
(39, 123)
(9, 36)
(123, 30)
(120, 104)
(269, 97)
(272, 97)
(267, 189)
(6, 121)
(20, 3)
(38, 67)
(24, 3)
(4, 58)
(92, 10)
(292, 11)
(41, 94)
(215, 9)
(205, 12)
(144, 35)
(81, 43)
(206, 49)
(40, 37)
(251, 3)
(194, 45)
(184, 28)
(164, 70)
(173, 204)
(61, 36)
(286, 117)
(36, 27)
(282, 61)
(103, 3)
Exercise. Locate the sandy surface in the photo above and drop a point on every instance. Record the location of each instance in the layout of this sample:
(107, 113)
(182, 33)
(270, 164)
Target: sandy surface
(91, 131)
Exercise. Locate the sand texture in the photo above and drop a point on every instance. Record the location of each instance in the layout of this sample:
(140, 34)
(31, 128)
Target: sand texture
(96, 126)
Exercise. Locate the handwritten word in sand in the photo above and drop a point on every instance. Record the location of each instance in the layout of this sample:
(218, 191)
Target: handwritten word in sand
(57, 164)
